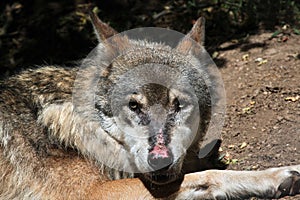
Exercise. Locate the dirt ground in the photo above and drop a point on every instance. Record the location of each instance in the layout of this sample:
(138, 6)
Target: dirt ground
(262, 81)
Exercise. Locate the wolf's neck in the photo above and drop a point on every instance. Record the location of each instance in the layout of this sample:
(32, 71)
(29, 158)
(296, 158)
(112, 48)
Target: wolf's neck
(85, 135)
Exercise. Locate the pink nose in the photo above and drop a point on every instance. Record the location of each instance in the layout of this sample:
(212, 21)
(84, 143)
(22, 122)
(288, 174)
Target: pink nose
(160, 157)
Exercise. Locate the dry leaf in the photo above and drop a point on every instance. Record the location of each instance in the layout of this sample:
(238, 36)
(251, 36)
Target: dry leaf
(260, 61)
(293, 99)
(243, 145)
(245, 57)
(234, 161)
(246, 109)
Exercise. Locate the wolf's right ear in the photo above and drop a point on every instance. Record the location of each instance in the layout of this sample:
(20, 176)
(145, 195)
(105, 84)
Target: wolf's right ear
(197, 33)
(114, 45)
(102, 30)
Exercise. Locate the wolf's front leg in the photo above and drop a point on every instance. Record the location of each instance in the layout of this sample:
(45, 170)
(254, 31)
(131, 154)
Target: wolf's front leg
(215, 184)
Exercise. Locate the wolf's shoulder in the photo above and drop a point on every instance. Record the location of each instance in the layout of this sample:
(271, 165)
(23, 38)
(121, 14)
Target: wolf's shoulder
(36, 87)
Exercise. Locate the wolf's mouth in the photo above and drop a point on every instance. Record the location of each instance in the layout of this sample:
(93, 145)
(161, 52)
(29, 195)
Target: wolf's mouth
(161, 178)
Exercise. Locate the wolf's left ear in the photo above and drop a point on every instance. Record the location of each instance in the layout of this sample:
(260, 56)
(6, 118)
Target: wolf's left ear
(102, 30)
(197, 33)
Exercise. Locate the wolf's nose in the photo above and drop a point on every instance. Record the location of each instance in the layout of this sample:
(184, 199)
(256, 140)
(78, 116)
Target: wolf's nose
(158, 162)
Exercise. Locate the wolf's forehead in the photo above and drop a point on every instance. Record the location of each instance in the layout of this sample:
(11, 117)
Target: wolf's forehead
(155, 94)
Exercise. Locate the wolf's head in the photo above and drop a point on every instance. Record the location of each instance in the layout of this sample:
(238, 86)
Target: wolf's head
(153, 99)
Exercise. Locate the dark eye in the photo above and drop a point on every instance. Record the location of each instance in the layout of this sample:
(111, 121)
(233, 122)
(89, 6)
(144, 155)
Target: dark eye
(133, 105)
(176, 105)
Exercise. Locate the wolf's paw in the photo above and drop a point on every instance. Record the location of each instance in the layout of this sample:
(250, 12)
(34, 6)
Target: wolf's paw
(290, 186)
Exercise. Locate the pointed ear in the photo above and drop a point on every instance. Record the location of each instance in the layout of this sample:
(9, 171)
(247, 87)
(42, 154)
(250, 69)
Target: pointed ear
(113, 45)
(102, 30)
(197, 33)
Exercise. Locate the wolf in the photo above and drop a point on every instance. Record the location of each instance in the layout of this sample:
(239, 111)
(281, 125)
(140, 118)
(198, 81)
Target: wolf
(98, 132)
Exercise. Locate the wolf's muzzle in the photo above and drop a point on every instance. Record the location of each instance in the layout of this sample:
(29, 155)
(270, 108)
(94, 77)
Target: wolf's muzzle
(160, 158)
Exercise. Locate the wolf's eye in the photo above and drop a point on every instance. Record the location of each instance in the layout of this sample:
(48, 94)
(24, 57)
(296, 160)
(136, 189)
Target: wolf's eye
(133, 105)
(177, 105)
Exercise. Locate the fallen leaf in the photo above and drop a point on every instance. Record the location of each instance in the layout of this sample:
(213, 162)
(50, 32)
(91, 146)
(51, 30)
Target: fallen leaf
(285, 27)
(293, 99)
(296, 31)
(275, 34)
(243, 145)
(245, 57)
(234, 161)
(262, 62)
(246, 109)
(215, 54)
(258, 59)
(254, 167)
